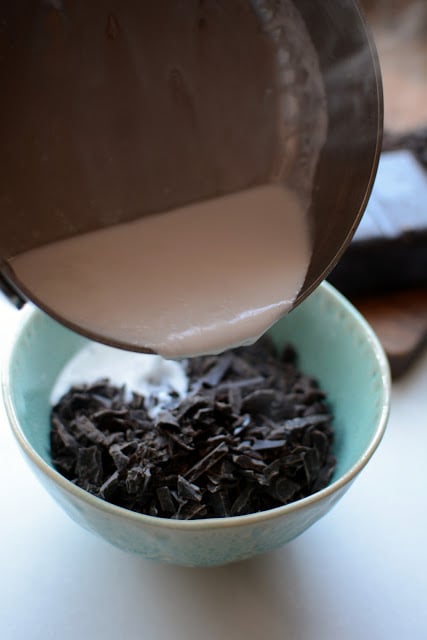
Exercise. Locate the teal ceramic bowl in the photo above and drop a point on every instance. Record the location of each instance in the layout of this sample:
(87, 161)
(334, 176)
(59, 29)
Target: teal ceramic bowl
(335, 345)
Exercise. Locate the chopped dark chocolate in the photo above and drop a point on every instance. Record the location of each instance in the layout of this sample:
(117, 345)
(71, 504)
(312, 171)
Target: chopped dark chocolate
(252, 434)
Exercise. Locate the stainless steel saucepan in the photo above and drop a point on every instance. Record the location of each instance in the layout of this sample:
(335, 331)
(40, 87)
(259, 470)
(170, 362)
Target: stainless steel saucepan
(115, 109)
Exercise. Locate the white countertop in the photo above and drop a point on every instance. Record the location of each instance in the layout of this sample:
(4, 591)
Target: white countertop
(360, 573)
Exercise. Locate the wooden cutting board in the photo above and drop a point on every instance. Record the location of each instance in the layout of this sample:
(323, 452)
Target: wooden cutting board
(400, 322)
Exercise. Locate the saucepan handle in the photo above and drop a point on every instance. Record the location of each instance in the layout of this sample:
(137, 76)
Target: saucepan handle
(9, 295)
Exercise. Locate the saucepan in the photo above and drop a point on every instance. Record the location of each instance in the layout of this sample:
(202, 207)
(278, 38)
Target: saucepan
(112, 110)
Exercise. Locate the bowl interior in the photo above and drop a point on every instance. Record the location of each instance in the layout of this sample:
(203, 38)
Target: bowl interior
(334, 344)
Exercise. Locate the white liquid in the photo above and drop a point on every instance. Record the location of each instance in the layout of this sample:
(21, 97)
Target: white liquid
(199, 279)
(150, 375)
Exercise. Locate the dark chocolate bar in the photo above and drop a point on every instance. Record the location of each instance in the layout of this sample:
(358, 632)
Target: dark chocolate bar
(389, 249)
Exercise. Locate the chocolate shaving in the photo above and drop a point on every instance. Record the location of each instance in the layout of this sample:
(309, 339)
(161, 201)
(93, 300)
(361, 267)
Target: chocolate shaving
(252, 434)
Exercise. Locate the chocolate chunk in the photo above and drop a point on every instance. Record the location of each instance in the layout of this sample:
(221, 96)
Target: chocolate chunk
(285, 489)
(164, 496)
(208, 461)
(120, 459)
(65, 440)
(85, 427)
(242, 502)
(89, 468)
(217, 372)
(188, 490)
(108, 488)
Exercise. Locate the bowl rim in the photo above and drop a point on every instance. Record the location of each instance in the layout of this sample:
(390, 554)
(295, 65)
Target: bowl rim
(26, 316)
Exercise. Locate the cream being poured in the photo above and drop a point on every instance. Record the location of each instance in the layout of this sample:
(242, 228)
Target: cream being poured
(198, 279)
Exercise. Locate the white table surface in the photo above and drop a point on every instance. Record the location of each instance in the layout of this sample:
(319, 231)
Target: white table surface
(358, 574)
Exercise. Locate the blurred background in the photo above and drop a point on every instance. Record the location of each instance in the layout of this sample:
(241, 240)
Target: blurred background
(384, 271)
(400, 30)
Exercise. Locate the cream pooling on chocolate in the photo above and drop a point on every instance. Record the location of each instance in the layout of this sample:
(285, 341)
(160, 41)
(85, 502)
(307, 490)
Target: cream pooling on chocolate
(198, 279)
(160, 381)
